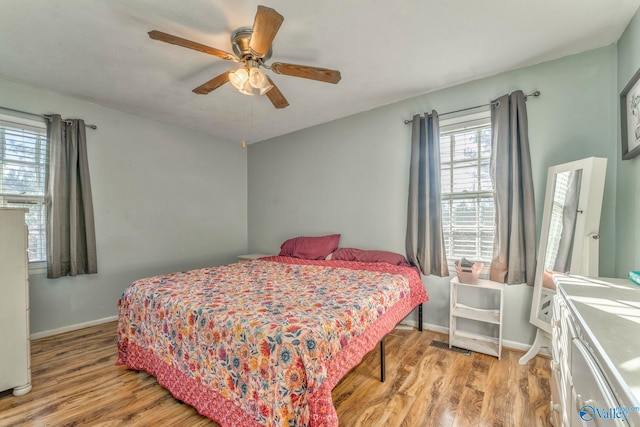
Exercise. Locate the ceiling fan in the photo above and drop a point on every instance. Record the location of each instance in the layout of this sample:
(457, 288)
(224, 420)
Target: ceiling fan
(252, 47)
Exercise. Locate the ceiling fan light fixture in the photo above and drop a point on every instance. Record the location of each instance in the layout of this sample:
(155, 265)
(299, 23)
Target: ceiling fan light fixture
(238, 78)
(259, 81)
(266, 88)
(257, 78)
(247, 89)
(250, 81)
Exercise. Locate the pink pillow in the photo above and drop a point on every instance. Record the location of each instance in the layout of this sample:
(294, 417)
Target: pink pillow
(351, 254)
(310, 247)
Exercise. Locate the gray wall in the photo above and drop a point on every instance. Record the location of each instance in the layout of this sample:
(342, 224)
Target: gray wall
(350, 176)
(628, 189)
(165, 199)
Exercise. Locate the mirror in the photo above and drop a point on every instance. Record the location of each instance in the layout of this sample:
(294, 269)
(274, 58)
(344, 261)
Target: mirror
(569, 236)
(562, 225)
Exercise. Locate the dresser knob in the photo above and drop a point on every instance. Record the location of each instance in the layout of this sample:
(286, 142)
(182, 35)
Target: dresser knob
(555, 407)
(580, 403)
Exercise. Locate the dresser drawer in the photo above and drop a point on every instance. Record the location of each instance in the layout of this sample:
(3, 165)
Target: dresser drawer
(558, 411)
(564, 332)
(592, 401)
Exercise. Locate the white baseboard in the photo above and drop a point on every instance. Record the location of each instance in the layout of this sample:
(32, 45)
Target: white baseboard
(411, 324)
(70, 328)
(444, 330)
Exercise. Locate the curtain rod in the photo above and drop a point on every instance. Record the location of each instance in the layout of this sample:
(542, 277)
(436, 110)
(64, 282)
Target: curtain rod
(40, 115)
(535, 93)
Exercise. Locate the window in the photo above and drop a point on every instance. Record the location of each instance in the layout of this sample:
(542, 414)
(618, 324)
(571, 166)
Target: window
(468, 212)
(23, 165)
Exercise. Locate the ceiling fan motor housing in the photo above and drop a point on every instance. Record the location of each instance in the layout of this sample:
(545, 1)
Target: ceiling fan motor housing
(240, 39)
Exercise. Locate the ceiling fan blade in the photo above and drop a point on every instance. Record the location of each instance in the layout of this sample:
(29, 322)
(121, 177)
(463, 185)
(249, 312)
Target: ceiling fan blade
(212, 84)
(178, 41)
(275, 96)
(265, 27)
(313, 73)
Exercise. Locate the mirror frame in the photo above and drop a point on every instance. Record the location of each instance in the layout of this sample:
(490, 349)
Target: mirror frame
(585, 256)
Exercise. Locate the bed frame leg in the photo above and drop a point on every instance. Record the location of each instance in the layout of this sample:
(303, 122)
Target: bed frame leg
(420, 317)
(382, 368)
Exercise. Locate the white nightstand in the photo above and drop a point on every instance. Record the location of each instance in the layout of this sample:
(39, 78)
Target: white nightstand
(491, 345)
(249, 257)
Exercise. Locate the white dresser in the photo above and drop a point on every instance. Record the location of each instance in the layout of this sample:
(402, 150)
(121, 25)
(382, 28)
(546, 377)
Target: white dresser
(595, 363)
(15, 365)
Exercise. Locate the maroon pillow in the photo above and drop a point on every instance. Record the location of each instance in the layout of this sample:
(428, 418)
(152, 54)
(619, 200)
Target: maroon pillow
(352, 254)
(310, 247)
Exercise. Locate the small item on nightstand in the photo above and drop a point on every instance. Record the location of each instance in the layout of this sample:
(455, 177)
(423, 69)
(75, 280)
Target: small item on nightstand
(634, 276)
(468, 271)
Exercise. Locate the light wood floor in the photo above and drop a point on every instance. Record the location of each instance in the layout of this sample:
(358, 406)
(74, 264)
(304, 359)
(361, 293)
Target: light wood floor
(76, 383)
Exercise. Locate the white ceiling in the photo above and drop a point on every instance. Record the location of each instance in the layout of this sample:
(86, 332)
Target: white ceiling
(386, 51)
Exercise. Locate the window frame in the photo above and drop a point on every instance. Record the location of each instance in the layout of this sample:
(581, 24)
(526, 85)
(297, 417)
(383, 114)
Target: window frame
(35, 267)
(458, 124)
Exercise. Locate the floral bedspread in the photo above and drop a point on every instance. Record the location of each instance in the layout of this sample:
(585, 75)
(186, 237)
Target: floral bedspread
(262, 343)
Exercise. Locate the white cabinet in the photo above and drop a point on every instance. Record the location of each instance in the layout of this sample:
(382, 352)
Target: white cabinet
(488, 344)
(15, 365)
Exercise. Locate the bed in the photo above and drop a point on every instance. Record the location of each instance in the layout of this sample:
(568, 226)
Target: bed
(262, 343)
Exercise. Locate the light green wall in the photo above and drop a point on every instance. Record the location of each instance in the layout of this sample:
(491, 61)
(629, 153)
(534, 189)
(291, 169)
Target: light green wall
(165, 199)
(628, 189)
(350, 176)
(347, 176)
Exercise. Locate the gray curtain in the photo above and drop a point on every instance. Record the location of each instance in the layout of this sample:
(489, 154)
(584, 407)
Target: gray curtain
(424, 241)
(514, 259)
(569, 219)
(71, 242)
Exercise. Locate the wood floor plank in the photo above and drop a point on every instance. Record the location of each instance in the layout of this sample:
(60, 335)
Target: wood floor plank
(427, 385)
(479, 373)
(539, 384)
(446, 398)
(494, 412)
(517, 393)
(472, 400)
(76, 383)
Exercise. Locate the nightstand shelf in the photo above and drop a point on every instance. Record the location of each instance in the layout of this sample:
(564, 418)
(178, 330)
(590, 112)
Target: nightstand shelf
(249, 257)
(476, 342)
(487, 344)
(479, 314)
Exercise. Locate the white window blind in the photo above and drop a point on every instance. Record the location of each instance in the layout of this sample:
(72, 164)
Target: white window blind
(23, 162)
(468, 212)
